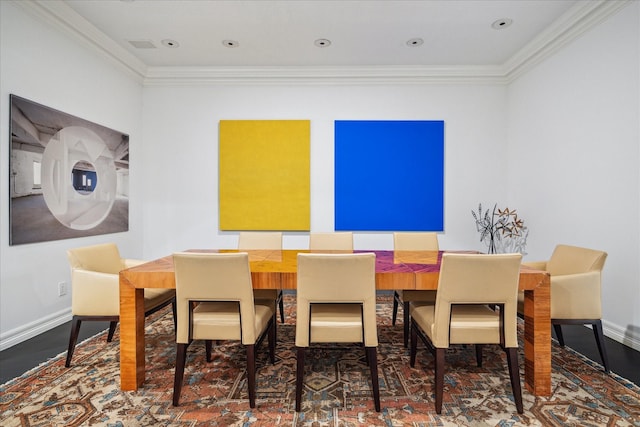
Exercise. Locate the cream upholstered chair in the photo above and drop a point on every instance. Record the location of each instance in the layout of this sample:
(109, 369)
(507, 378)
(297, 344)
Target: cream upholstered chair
(263, 240)
(336, 302)
(412, 241)
(95, 289)
(575, 291)
(215, 302)
(461, 315)
(338, 241)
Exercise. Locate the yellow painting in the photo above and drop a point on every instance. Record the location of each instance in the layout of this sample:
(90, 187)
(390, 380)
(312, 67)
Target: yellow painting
(264, 175)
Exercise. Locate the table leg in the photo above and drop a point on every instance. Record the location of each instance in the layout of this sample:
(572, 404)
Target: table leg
(132, 356)
(537, 339)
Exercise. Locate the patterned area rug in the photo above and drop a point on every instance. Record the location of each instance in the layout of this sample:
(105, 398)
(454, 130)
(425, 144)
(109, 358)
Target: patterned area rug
(337, 388)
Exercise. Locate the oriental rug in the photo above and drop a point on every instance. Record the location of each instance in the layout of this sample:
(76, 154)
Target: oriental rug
(337, 387)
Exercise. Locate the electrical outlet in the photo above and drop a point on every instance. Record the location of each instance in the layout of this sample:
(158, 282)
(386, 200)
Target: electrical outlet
(62, 289)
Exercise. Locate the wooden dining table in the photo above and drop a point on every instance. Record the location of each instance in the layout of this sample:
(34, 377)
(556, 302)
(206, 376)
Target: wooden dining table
(276, 269)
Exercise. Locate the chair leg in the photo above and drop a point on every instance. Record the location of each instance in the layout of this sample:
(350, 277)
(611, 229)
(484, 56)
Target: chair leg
(396, 299)
(558, 330)
(439, 353)
(181, 358)
(272, 341)
(251, 374)
(73, 338)
(299, 376)
(281, 304)
(406, 319)
(414, 346)
(597, 331)
(372, 355)
(207, 349)
(174, 311)
(479, 348)
(112, 330)
(514, 374)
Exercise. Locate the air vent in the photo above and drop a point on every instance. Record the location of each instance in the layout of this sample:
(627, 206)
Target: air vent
(142, 44)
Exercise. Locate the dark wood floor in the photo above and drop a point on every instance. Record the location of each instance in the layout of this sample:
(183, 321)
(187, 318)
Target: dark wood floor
(22, 357)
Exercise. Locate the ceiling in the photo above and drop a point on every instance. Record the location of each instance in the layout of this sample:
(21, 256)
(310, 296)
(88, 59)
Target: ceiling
(154, 35)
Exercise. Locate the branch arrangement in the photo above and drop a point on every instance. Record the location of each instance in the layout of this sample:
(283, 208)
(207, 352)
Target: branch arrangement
(501, 229)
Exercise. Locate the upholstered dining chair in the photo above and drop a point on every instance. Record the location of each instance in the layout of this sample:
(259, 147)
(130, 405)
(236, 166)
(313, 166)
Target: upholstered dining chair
(215, 302)
(412, 241)
(336, 302)
(264, 240)
(95, 289)
(575, 291)
(338, 241)
(468, 284)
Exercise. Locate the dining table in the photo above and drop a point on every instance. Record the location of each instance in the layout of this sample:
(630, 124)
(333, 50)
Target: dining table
(277, 269)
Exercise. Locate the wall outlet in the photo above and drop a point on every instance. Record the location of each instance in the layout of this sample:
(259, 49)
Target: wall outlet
(62, 289)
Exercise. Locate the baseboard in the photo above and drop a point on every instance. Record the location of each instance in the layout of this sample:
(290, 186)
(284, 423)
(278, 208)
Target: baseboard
(30, 330)
(629, 336)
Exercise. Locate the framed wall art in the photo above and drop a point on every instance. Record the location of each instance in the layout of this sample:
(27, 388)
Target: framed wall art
(389, 175)
(265, 175)
(68, 177)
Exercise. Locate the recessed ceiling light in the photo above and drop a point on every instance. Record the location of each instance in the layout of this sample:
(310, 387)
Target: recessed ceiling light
(230, 43)
(502, 23)
(322, 43)
(170, 43)
(415, 42)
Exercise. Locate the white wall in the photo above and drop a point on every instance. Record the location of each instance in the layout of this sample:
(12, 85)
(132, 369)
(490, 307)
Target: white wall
(39, 63)
(181, 153)
(574, 155)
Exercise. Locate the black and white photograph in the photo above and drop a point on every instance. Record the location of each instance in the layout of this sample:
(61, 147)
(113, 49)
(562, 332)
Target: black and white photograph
(68, 177)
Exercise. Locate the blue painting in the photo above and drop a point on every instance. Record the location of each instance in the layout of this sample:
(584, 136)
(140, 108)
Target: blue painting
(389, 175)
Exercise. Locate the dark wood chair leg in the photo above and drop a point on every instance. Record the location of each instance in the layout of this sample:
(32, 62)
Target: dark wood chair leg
(112, 330)
(207, 349)
(299, 376)
(406, 319)
(251, 374)
(439, 378)
(558, 330)
(73, 339)
(272, 341)
(372, 355)
(479, 348)
(181, 357)
(174, 311)
(414, 346)
(514, 374)
(281, 304)
(396, 299)
(599, 334)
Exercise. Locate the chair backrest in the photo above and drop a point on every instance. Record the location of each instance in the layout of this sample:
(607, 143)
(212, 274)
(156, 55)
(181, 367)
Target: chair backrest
(213, 277)
(477, 279)
(342, 241)
(337, 278)
(573, 259)
(260, 240)
(103, 258)
(415, 241)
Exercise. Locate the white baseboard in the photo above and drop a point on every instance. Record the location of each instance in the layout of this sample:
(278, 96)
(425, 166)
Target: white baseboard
(629, 336)
(30, 330)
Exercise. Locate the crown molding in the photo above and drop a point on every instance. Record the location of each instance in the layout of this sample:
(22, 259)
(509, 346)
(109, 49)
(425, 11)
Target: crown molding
(577, 20)
(353, 75)
(61, 16)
